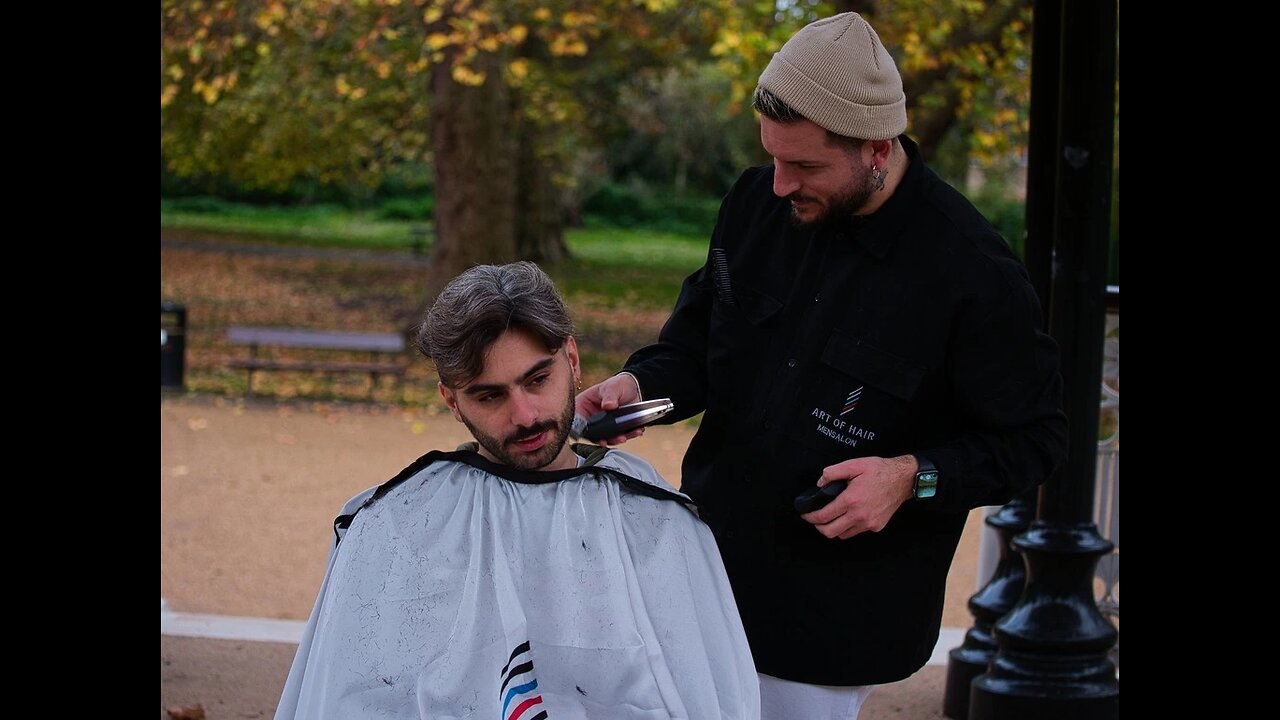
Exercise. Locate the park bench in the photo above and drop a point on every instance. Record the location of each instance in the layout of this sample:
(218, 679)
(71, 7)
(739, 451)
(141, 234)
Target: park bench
(384, 352)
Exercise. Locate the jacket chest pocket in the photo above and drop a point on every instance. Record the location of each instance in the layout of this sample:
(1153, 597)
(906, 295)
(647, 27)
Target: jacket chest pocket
(856, 401)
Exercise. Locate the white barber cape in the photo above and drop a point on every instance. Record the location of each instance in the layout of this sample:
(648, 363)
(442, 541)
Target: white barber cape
(466, 589)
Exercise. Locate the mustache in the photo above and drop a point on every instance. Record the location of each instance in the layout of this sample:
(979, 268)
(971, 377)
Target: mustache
(530, 431)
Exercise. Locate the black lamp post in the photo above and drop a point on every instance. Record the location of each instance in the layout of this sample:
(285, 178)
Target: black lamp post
(1052, 647)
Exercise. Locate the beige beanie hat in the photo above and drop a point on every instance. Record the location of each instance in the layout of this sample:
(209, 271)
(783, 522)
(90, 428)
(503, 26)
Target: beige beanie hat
(837, 73)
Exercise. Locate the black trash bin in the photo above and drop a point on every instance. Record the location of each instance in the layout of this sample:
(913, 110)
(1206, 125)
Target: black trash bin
(173, 345)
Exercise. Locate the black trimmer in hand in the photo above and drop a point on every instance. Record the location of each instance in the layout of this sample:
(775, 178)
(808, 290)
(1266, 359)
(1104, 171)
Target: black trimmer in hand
(817, 498)
(619, 421)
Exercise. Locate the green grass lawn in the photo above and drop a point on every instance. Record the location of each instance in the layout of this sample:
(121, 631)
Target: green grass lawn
(610, 268)
(317, 225)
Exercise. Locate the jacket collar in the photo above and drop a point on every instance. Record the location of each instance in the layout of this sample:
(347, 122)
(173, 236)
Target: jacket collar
(878, 231)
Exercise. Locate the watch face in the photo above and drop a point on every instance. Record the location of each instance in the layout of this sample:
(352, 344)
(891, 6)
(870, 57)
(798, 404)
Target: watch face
(926, 484)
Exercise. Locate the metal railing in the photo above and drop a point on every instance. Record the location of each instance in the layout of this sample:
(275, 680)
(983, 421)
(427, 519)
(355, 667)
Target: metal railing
(1106, 508)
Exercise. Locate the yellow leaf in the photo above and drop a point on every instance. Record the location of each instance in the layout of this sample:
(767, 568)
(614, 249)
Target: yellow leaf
(568, 45)
(464, 75)
(263, 49)
(167, 95)
(541, 14)
(437, 41)
(175, 72)
(519, 68)
(518, 33)
(341, 85)
(432, 14)
(573, 19)
(384, 70)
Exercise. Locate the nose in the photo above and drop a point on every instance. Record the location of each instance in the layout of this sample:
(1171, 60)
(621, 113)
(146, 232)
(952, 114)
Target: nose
(523, 411)
(783, 183)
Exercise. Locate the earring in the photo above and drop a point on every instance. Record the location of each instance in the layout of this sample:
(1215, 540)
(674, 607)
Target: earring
(878, 175)
(579, 381)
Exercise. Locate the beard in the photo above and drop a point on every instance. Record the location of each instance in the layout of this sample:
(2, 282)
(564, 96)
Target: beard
(840, 206)
(507, 453)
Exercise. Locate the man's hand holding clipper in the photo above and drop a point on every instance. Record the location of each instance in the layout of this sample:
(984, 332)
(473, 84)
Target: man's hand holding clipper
(621, 389)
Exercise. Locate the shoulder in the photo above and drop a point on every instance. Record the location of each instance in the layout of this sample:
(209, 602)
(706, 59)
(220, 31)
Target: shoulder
(410, 482)
(975, 254)
(632, 466)
(637, 468)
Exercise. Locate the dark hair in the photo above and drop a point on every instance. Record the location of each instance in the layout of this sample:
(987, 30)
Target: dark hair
(772, 107)
(476, 307)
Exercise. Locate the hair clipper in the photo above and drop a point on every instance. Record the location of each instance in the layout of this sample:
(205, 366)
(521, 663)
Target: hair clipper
(619, 421)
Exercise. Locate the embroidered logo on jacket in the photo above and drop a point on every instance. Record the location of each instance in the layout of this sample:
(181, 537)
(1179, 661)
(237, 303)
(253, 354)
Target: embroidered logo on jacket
(851, 402)
(519, 691)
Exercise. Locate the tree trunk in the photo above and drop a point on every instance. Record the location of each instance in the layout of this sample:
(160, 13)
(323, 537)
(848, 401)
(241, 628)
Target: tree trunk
(472, 140)
(539, 215)
(930, 125)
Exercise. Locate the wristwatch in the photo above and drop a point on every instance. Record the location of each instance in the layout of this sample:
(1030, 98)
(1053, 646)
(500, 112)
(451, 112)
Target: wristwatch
(926, 484)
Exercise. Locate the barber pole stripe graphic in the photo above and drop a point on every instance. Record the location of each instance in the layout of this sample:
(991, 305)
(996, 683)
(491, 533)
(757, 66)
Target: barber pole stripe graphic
(851, 402)
(518, 674)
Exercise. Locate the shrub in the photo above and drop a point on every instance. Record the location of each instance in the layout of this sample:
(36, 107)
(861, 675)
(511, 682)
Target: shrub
(639, 206)
(408, 208)
(1009, 216)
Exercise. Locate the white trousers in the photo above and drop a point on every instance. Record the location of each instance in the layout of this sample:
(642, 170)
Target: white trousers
(786, 700)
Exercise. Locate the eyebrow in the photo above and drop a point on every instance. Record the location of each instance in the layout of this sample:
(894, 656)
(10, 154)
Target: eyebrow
(496, 387)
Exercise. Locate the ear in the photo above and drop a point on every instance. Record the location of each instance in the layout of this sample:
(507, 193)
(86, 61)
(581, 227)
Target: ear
(571, 352)
(450, 399)
(880, 152)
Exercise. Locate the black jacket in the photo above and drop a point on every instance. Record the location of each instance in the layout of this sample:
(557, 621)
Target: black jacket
(912, 330)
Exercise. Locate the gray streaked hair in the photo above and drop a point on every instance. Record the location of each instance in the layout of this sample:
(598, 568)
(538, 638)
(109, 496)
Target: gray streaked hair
(476, 307)
(772, 107)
